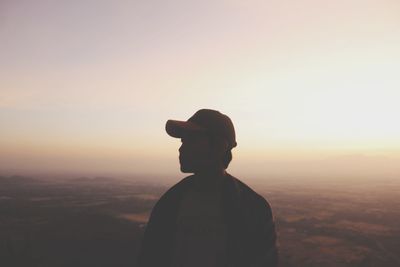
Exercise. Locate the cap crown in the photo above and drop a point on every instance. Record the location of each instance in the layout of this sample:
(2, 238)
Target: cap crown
(215, 123)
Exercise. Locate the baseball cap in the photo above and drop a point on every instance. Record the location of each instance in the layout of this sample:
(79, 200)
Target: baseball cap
(204, 121)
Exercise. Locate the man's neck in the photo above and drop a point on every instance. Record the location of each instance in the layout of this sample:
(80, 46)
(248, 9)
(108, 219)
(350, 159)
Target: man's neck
(215, 172)
(211, 177)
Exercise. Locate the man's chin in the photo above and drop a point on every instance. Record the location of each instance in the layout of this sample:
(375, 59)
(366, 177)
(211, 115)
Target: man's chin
(186, 169)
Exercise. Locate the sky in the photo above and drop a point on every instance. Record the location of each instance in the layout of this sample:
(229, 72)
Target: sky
(312, 86)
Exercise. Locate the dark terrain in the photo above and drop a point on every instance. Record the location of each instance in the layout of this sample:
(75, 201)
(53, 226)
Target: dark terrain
(100, 221)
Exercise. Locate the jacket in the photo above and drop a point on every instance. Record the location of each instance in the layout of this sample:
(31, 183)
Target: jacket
(252, 238)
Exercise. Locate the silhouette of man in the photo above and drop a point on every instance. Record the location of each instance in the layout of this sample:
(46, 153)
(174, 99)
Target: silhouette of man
(210, 218)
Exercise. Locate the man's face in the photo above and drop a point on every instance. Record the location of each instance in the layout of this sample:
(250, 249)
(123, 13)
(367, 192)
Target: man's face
(195, 153)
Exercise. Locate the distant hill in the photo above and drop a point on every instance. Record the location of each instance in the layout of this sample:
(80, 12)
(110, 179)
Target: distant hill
(18, 179)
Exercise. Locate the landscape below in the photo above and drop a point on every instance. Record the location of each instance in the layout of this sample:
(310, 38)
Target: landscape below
(100, 221)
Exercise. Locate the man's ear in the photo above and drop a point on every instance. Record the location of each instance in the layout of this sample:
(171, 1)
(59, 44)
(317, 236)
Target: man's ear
(222, 148)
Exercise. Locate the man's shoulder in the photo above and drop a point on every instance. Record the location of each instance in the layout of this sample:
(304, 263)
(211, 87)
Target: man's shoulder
(180, 185)
(245, 192)
(169, 197)
(250, 196)
(245, 189)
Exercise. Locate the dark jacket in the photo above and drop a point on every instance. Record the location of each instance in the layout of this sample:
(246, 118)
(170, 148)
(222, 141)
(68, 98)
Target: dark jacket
(251, 228)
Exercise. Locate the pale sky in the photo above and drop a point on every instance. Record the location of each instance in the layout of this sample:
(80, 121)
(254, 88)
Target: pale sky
(311, 86)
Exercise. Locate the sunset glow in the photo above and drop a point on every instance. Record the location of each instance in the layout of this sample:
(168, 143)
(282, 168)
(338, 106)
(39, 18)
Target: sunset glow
(88, 85)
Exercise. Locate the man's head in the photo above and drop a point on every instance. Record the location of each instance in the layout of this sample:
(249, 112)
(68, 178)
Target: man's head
(207, 139)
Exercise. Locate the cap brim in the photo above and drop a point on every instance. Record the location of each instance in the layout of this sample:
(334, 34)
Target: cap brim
(179, 129)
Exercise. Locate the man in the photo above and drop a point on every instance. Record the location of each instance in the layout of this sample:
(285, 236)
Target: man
(210, 218)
